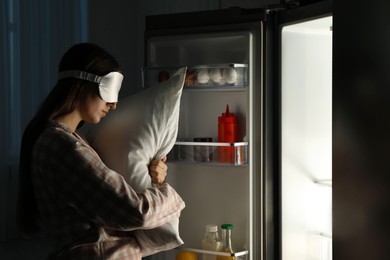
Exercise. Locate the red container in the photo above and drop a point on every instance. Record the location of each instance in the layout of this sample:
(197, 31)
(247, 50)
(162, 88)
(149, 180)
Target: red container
(227, 133)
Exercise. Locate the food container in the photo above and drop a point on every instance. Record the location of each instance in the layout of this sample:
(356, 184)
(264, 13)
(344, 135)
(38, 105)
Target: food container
(201, 76)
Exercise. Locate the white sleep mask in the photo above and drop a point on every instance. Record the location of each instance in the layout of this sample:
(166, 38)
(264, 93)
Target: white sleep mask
(109, 85)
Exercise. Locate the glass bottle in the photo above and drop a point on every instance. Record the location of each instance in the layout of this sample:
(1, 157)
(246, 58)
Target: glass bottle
(226, 242)
(211, 241)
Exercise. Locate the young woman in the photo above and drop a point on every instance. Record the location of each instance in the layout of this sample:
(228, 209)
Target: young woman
(66, 190)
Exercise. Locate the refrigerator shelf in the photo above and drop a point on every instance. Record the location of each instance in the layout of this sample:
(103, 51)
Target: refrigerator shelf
(215, 88)
(209, 252)
(214, 153)
(187, 143)
(225, 76)
(324, 182)
(325, 235)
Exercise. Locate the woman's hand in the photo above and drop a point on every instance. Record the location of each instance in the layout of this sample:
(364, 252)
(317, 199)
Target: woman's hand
(158, 170)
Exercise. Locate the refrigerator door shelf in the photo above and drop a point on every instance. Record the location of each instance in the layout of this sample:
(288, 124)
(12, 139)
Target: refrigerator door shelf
(216, 76)
(211, 143)
(223, 88)
(239, 254)
(323, 182)
(215, 153)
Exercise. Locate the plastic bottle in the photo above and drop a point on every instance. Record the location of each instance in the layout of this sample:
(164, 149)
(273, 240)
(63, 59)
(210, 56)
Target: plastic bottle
(211, 241)
(227, 133)
(226, 242)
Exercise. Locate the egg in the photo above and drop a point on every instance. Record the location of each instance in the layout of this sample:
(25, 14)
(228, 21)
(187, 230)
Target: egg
(203, 76)
(216, 75)
(229, 75)
(189, 81)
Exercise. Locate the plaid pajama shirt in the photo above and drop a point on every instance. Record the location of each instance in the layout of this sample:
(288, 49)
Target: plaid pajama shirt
(88, 208)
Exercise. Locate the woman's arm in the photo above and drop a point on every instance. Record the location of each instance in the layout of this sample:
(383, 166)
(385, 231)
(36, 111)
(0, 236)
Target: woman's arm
(83, 181)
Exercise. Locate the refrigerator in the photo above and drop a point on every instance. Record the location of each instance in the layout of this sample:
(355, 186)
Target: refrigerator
(276, 186)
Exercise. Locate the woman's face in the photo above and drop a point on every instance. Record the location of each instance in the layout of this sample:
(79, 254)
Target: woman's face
(94, 109)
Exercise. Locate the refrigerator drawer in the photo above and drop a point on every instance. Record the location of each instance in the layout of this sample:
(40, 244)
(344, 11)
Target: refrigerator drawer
(201, 76)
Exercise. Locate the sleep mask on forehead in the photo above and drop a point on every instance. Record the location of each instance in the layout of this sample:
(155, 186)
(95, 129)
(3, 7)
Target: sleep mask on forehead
(109, 85)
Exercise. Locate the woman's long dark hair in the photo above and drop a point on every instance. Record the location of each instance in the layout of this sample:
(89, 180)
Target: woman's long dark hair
(66, 96)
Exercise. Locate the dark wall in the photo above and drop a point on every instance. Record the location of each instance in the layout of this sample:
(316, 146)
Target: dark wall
(361, 127)
(114, 27)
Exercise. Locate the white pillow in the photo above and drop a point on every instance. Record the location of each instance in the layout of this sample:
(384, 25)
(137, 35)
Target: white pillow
(142, 128)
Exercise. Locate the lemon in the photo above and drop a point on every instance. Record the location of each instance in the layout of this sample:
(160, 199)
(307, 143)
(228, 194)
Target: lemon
(186, 255)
